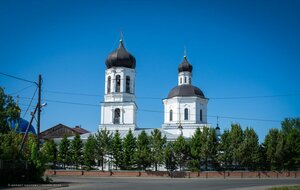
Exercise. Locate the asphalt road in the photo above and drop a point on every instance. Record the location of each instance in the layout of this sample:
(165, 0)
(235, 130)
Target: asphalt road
(169, 184)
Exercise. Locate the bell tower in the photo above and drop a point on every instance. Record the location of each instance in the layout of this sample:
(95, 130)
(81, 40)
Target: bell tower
(118, 111)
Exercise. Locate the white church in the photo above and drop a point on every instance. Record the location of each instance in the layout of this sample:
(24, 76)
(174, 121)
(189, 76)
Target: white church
(185, 108)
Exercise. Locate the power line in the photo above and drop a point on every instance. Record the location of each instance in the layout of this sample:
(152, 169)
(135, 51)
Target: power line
(18, 78)
(21, 89)
(158, 111)
(212, 98)
(30, 102)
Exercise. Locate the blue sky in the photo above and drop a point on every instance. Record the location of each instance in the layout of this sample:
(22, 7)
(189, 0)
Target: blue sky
(237, 49)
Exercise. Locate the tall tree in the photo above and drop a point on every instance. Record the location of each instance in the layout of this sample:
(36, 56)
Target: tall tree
(169, 157)
(9, 111)
(49, 151)
(209, 146)
(89, 153)
(117, 150)
(64, 151)
(76, 151)
(236, 136)
(143, 156)
(103, 141)
(129, 147)
(181, 151)
(271, 146)
(291, 148)
(195, 147)
(249, 149)
(157, 146)
(224, 152)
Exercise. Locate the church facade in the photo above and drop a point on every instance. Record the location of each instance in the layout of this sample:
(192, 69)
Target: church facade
(185, 108)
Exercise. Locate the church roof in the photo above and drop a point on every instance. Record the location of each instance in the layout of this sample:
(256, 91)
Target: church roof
(120, 58)
(185, 90)
(185, 66)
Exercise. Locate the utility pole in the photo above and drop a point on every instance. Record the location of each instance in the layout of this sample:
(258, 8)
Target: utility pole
(39, 112)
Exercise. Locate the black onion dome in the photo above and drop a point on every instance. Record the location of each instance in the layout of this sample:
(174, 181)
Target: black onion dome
(186, 90)
(120, 58)
(185, 66)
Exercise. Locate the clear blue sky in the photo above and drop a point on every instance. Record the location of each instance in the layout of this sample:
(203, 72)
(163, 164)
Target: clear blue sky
(237, 48)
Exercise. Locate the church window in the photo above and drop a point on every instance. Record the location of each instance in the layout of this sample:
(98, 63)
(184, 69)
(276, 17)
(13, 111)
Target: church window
(186, 114)
(201, 115)
(108, 84)
(127, 84)
(180, 80)
(171, 115)
(190, 80)
(118, 83)
(117, 116)
(184, 79)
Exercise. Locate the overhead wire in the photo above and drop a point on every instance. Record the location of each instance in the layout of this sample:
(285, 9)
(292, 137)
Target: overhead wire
(17, 78)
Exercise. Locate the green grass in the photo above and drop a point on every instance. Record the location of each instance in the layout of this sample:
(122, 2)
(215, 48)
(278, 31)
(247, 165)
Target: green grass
(285, 188)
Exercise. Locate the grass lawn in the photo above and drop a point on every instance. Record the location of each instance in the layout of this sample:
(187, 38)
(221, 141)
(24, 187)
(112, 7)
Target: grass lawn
(286, 188)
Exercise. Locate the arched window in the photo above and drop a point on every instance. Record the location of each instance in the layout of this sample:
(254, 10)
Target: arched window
(117, 116)
(184, 80)
(190, 80)
(186, 114)
(108, 84)
(180, 80)
(201, 115)
(171, 115)
(127, 84)
(118, 83)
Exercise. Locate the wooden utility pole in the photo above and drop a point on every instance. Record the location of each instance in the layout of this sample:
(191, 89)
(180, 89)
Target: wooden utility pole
(39, 112)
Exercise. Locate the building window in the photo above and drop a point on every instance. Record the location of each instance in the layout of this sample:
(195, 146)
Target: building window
(117, 116)
(201, 115)
(190, 80)
(127, 84)
(180, 80)
(118, 83)
(108, 84)
(186, 114)
(185, 80)
(171, 115)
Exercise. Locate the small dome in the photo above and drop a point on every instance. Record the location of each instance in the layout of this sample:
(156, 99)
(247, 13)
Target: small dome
(20, 126)
(186, 90)
(185, 66)
(120, 58)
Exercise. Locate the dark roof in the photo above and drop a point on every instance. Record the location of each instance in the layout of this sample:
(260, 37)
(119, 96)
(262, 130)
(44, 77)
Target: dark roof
(120, 58)
(186, 90)
(185, 66)
(60, 130)
(80, 130)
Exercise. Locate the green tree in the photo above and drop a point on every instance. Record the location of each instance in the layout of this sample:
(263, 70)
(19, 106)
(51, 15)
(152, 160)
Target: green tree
(129, 148)
(291, 145)
(89, 153)
(117, 150)
(49, 152)
(181, 151)
(103, 146)
(209, 146)
(195, 147)
(9, 111)
(143, 156)
(157, 146)
(249, 149)
(236, 136)
(76, 151)
(224, 152)
(170, 160)
(271, 147)
(64, 151)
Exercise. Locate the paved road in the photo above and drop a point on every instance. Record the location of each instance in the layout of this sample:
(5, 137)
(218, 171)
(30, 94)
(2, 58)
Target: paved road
(169, 184)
